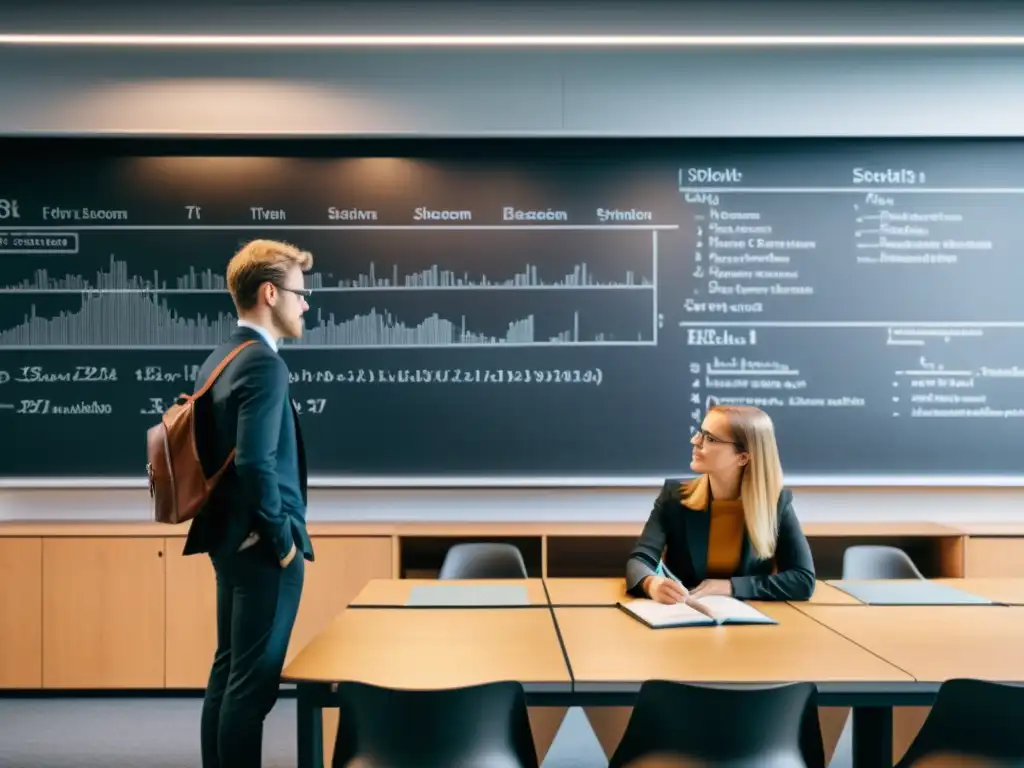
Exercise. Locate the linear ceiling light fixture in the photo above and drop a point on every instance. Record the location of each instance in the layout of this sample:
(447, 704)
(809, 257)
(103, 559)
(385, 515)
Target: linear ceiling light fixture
(511, 41)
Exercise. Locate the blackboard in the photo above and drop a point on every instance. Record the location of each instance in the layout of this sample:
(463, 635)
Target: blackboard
(533, 311)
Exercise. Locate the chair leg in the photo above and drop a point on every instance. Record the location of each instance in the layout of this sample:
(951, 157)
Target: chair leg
(609, 724)
(544, 723)
(832, 721)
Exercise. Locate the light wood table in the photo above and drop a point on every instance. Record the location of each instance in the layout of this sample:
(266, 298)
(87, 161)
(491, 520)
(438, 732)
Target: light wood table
(608, 591)
(430, 649)
(437, 648)
(394, 593)
(826, 594)
(613, 654)
(586, 592)
(933, 643)
(609, 650)
(865, 657)
(1001, 590)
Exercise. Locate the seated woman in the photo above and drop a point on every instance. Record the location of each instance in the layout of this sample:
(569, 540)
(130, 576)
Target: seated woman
(732, 529)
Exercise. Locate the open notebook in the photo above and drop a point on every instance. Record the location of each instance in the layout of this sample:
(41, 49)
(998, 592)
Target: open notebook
(708, 611)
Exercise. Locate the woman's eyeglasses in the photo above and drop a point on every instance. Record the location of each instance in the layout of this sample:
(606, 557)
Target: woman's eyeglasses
(703, 435)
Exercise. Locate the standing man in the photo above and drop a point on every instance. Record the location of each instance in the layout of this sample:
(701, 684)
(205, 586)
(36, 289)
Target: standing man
(254, 523)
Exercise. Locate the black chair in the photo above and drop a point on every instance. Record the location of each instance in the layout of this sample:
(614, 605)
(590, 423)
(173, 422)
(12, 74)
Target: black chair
(481, 560)
(971, 719)
(678, 724)
(877, 562)
(483, 725)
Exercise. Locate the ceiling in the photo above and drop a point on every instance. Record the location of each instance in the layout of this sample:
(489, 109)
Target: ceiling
(519, 17)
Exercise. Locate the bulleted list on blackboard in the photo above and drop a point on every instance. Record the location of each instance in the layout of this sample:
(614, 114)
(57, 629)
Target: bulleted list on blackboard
(839, 253)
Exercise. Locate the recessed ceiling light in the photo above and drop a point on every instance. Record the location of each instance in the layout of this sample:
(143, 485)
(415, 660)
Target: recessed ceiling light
(513, 41)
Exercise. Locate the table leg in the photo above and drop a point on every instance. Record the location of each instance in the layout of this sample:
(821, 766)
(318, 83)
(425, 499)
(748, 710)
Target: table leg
(872, 737)
(310, 728)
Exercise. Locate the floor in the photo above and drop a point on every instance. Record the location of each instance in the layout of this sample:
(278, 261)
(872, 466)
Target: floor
(164, 733)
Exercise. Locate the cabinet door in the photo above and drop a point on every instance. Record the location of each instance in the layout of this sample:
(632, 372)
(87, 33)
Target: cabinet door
(103, 612)
(21, 613)
(995, 557)
(342, 567)
(191, 617)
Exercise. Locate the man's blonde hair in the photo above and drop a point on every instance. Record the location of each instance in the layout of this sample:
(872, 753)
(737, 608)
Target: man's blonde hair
(259, 262)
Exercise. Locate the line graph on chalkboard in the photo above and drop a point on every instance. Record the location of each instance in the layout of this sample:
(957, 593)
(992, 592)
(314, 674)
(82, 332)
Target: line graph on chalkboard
(377, 328)
(148, 320)
(375, 290)
(111, 320)
(116, 278)
(588, 258)
(437, 277)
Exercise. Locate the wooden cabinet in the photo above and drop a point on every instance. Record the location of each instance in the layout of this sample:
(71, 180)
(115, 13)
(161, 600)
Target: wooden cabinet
(21, 615)
(103, 613)
(106, 605)
(342, 567)
(995, 557)
(191, 617)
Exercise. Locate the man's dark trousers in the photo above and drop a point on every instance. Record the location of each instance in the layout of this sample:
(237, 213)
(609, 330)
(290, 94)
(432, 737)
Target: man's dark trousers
(257, 601)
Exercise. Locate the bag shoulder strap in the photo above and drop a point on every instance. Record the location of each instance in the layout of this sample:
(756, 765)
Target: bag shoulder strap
(220, 368)
(209, 382)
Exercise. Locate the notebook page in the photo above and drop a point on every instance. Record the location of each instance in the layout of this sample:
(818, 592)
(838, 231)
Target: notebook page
(725, 607)
(658, 614)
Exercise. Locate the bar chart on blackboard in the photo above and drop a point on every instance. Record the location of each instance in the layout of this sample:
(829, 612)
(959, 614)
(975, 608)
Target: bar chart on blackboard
(468, 294)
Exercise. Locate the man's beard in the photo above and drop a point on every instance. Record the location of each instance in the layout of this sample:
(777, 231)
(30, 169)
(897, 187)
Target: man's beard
(282, 326)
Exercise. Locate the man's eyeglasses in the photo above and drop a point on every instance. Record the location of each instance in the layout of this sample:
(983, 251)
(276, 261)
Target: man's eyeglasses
(303, 292)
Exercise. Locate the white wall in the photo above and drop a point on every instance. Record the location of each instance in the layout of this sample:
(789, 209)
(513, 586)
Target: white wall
(513, 92)
(598, 505)
(824, 91)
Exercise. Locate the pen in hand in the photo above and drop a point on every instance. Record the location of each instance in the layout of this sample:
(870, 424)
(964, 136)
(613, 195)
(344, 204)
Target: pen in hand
(667, 589)
(693, 602)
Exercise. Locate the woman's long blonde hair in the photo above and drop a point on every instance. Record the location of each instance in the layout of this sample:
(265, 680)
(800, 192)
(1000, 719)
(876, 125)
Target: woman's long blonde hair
(761, 483)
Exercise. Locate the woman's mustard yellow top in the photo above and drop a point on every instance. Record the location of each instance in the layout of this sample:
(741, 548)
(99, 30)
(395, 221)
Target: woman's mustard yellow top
(725, 541)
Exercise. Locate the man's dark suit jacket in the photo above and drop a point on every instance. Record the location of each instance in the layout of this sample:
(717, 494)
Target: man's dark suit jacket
(682, 534)
(264, 489)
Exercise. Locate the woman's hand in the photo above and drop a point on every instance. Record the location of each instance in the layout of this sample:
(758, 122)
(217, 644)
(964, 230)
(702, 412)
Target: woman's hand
(712, 587)
(666, 591)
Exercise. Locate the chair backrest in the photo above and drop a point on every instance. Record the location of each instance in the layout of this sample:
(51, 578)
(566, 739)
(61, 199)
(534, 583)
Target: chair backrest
(483, 560)
(877, 562)
(477, 725)
(752, 727)
(971, 719)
